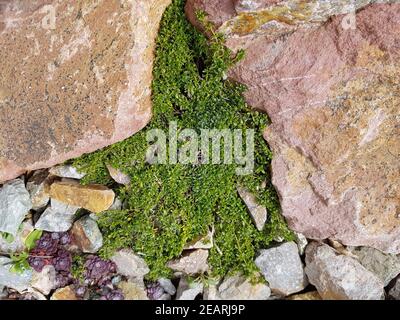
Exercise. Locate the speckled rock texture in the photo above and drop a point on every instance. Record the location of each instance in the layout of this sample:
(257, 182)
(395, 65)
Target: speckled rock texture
(75, 77)
(330, 85)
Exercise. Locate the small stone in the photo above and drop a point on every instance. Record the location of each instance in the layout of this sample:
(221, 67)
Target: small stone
(302, 242)
(340, 277)
(188, 290)
(86, 235)
(129, 264)
(38, 187)
(240, 288)
(134, 289)
(67, 293)
(167, 285)
(17, 245)
(394, 291)
(15, 204)
(118, 176)
(203, 242)
(211, 292)
(258, 212)
(191, 263)
(59, 217)
(95, 198)
(282, 268)
(313, 295)
(45, 280)
(385, 266)
(66, 172)
(117, 205)
(16, 281)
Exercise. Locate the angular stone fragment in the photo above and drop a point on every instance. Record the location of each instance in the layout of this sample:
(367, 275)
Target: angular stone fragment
(133, 289)
(66, 293)
(188, 290)
(38, 187)
(205, 242)
(75, 83)
(118, 176)
(129, 264)
(313, 295)
(18, 242)
(59, 217)
(282, 268)
(45, 280)
(241, 288)
(385, 266)
(86, 235)
(66, 171)
(258, 212)
(339, 277)
(191, 263)
(167, 285)
(394, 291)
(17, 281)
(15, 204)
(95, 198)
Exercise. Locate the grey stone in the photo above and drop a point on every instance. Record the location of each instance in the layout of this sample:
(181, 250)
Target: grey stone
(258, 212)
(16, 281)
(117, 205)
(240, 288)
(15, 204)
(340, 277)
(188, 290)
(38, 188)
(59, 217)
(167, 285)
(66, 172)
(129, 264)
(385, 266)
(205, 242)
(45, 280)
(87, 235)
(394, 291)
(281, 266)
(302, 242)
(17, 245)
(118, 176)
(191, 263)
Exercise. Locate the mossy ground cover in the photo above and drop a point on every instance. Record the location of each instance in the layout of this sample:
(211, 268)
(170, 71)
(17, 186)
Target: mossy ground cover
(168, 205)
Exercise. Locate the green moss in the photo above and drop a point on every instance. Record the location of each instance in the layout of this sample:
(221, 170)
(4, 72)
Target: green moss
(169, 205)
(78, 267)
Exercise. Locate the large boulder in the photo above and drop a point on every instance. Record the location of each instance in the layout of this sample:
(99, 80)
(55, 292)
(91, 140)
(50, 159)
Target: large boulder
(329, 82)
(75, 77)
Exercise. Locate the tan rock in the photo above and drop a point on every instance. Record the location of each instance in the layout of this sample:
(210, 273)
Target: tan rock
(118, 176)
(313, 295)
(191, 263)
(66, 293)
(79, 78)
(95, 198)
(86, 235)
(133, 290)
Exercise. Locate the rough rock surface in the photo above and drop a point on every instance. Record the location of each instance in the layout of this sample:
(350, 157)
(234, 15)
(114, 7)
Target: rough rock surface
(18, 243)
(59, 217)
(95, 198)
(282, 268)
(339, 277)
(15, 204)
(66, 293)
(133, 289)
(241, 288)
(258, 212)
(191, 263)
(45, 280)
(130, 264)
(385, 266)
(79, 78)
(86, 235)
(17, 281)
(188, 290)
(38, 187)
(332, 93)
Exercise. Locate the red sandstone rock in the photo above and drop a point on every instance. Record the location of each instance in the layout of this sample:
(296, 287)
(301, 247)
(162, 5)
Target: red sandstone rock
(75, 83)
(333, 96)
